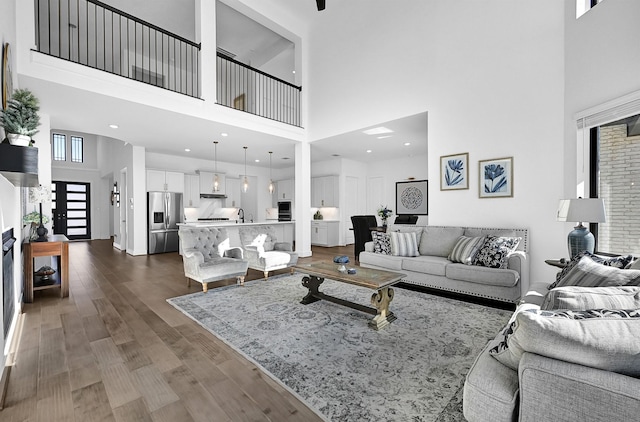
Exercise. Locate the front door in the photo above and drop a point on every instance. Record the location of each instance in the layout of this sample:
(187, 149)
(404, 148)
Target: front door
(71, 209)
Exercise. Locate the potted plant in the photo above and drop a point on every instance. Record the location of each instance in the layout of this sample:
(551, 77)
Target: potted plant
(20, 119)
(384, 213)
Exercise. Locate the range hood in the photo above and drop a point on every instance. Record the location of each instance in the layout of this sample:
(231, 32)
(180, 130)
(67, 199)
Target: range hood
(213, 195)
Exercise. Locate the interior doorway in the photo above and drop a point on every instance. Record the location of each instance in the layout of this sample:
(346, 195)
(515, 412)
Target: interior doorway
(71, 209)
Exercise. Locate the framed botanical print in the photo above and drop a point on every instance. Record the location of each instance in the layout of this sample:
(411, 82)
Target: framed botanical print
(454, 172)
(496, 178)
(412, 197)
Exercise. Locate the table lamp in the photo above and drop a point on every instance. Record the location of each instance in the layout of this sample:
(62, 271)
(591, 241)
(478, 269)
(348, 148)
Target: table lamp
(589, 210)
(39, 195)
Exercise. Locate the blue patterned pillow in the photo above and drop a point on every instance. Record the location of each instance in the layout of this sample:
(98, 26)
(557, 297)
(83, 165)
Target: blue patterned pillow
(381, 243)
(495, 251)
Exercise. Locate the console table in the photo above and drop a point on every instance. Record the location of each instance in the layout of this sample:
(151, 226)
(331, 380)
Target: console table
(57, 246)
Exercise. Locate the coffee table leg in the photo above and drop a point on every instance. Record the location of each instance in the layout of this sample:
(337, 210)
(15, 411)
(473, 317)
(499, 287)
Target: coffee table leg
(312, 283)
(381, 300)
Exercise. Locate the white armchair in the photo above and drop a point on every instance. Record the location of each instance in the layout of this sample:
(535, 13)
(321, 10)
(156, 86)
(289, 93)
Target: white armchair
(264, 252)
(207, 256)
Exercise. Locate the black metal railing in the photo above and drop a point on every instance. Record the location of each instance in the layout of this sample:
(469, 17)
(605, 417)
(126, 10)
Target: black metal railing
(97, 35)
(244, 88)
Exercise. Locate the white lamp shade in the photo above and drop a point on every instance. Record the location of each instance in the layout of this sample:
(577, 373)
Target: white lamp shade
(590, 210)
(39, 194)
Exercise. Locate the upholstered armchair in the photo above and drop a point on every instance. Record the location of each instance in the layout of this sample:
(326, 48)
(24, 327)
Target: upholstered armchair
(264, 252)
(207, 256)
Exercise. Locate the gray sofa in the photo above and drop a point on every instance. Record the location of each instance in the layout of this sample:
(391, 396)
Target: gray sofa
(434, 270)
(549, 386)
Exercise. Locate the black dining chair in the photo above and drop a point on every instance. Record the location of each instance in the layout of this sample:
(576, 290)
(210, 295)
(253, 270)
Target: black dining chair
(406, 219)
(362, 231)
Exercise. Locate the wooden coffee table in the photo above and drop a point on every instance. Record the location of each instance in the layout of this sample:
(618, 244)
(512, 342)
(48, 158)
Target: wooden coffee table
(378, 280)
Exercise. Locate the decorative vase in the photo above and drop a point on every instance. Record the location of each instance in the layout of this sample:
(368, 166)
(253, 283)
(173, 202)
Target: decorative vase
(384, 222)
(19, 140)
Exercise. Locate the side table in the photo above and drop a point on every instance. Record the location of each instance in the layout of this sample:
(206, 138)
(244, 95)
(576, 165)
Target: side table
(57, 246)
(560, 263)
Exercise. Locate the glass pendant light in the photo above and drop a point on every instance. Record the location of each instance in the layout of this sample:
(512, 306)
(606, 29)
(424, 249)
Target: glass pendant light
(271, 187)
(216, 179)
(245, 184)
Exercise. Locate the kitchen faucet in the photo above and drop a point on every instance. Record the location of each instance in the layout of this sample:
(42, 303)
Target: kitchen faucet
(241, 214)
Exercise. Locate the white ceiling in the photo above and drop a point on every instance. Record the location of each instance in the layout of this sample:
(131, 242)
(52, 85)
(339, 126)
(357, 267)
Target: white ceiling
(162, 131)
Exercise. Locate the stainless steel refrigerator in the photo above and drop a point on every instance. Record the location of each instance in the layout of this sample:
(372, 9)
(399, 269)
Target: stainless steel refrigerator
(164, 212)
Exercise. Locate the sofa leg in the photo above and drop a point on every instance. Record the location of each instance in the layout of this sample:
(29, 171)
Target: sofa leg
(205, 287)
(240, 280)
(292, 270)
(188, 282)
(266, 275)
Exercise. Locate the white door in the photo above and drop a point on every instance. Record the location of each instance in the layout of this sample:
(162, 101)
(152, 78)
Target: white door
(124, 205)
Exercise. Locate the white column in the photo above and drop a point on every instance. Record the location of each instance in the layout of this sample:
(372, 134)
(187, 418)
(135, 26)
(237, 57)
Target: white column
(303, 199)
(206, 35)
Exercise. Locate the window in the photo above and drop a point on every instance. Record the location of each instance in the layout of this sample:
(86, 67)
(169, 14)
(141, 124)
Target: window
(583, 6)
(59, 149)
(76, 149)
(614, 175)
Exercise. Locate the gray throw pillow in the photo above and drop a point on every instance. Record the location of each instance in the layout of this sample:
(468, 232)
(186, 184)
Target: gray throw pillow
(466, 249)
(587, 273)
(582, 298)
(599, 338)
(616, 261)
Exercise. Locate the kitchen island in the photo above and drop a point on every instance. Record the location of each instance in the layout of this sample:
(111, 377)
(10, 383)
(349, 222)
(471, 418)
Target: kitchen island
(284, 230)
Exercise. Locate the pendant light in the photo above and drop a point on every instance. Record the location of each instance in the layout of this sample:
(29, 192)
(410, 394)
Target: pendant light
(216, 179)
(245, 184)
(271, 187)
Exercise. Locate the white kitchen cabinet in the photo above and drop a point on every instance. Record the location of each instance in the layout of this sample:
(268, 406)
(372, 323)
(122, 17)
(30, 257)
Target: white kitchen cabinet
(191, 190)
(206, 183)
(165, 181)
(285, 190)
(325, 233)
(324, 191)
(234, 199)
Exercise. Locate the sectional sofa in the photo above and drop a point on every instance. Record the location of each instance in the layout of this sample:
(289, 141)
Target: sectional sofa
(570, 353)
(432, 268)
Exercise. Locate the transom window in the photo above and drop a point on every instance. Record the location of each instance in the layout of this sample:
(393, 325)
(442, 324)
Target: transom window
(59, 148)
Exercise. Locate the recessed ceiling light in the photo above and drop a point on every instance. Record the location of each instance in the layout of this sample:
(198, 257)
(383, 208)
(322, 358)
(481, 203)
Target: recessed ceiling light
(257, 161)
(286, 158)
(113, 126)
(377, 130)
(368, 150)
(224, 134)
(406, 144)
(386, 136)
(294, 72)
(335, 155)
(187, 150)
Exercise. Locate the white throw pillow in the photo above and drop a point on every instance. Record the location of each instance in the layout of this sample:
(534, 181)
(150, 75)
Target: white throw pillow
(404, 244)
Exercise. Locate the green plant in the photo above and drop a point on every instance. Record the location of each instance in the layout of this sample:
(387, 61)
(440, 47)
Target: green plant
(21, 115)
(34, 218)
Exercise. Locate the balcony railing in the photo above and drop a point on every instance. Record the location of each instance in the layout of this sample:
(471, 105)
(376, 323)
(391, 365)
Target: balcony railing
(245, 88)
(97, 35)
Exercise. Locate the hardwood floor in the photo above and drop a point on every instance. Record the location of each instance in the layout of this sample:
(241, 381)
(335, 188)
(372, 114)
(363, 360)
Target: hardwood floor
(115, 350)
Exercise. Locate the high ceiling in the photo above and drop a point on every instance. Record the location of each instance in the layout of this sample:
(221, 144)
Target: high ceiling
(161, 131)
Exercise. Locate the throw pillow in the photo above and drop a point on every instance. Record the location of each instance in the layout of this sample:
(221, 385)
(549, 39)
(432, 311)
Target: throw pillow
(581, 298)
(466, 249)
(404, 244)
(599, 338)
(587, 273)
(381, 243)
(495, 251)
(617, 262)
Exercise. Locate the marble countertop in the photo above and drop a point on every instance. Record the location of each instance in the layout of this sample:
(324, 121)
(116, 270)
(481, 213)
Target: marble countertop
(232, 223)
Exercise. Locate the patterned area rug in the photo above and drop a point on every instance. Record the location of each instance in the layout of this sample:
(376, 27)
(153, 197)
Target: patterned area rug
(412, 370)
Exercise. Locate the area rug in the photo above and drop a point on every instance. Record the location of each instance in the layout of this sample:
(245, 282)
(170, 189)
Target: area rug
(326, 354)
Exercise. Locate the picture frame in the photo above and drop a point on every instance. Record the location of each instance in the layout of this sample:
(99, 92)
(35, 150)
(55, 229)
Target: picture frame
(412, 197)
(454, 171)
(496, 178)
(7, 77)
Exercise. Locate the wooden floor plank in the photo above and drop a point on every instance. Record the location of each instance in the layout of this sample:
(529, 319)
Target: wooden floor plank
(115, 350)
(91, 404)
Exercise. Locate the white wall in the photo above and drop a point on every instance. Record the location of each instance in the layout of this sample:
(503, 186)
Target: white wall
(490, 74)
